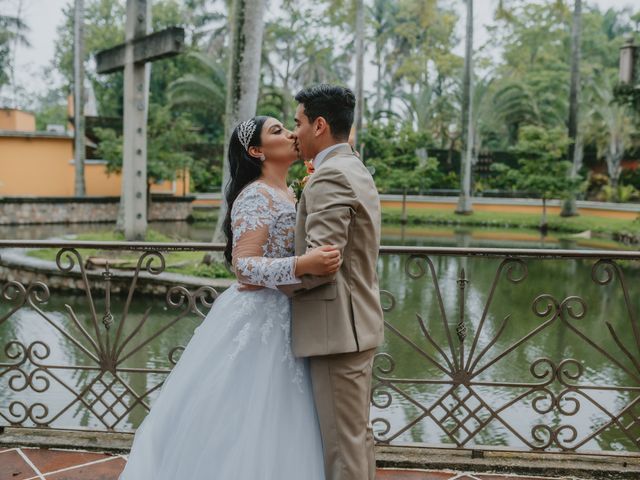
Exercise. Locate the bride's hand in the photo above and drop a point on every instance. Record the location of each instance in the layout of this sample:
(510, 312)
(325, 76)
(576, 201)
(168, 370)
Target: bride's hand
(247, 287)
(320, 261)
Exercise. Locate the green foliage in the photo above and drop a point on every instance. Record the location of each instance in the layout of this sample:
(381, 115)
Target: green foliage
(611, 126)
(621, 193)
(542, 169)
(168, 136)
(201, 91)
(205, 177)
(103, 28)
(51, 108)
(12, 30)
(631, 177)
(186, 263)
(298, 52)
(400, 159)
(594, 185)
(417, 89)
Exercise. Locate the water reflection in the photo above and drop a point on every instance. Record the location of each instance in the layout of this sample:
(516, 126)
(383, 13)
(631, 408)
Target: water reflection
(524, 352)
(391, 235)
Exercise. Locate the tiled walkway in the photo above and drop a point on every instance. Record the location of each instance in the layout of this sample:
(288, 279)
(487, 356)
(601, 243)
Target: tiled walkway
(38, 464)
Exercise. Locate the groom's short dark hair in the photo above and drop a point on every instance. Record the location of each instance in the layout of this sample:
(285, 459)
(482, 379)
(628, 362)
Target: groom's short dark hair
(333, 103)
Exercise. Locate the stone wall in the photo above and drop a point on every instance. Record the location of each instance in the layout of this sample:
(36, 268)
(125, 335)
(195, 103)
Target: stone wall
(35, 210)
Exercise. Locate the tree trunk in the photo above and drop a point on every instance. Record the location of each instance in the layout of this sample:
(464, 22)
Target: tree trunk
(78, 98)
(247, 28)
(614, 160)
(379, 78)
(543, 221)
(403, 216)
(569, 208)
(464, 201)
(359, 70)
(12, 61)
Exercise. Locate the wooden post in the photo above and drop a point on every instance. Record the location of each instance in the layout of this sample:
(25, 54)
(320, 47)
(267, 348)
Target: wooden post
(135, 56)
(136, 95)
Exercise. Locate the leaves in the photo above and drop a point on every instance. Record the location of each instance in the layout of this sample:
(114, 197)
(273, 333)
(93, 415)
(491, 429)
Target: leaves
(167, 149)
(542, 170)
(13, 31)
(400, 160)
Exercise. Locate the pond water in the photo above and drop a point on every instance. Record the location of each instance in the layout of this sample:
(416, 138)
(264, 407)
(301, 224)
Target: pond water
(521, 393)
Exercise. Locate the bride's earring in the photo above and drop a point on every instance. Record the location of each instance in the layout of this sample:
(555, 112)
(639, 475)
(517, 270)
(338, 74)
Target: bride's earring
(262, 158)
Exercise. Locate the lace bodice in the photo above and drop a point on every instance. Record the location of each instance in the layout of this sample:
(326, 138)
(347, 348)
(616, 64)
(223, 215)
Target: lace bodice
(263, 223)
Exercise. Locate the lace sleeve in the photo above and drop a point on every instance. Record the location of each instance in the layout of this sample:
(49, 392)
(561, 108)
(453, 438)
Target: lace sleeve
(252, 216)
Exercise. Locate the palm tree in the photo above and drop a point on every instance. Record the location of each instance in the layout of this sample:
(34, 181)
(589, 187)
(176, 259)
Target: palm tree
(12, 33)
(382, 14)
(518, 102)
(610, 128)
(575, 154)
(321, 65)
(344, 12)
(419, 106)
(243, 77)
(208, 85)
(359, 91)
(464, 201)
(78, 97)
(481, 112)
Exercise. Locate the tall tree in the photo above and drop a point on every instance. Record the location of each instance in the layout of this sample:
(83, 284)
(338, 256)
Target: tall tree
(78, 97)
(359, 90)
(610, 127)
(206, 85)
(246, 20)
(569, 208)
(13, 32)
(464, 201)
(352, 13)
(382, 15)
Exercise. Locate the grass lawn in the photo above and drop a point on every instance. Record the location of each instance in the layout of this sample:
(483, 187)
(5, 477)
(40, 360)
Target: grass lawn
(599, 225)
(391, 215)
(187, 263)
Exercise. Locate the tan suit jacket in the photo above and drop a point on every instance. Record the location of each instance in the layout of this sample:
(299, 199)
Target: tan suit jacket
(340, 313)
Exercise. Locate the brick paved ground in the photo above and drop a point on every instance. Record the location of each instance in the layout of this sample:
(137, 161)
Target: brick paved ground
(39, 464)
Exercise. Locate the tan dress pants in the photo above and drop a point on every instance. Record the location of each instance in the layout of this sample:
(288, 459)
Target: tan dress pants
(342, 391)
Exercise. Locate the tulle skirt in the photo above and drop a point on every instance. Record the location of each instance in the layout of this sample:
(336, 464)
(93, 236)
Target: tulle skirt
(237, 406)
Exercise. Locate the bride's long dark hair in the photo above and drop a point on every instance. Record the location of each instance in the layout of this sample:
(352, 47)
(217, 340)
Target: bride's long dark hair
(243, 169)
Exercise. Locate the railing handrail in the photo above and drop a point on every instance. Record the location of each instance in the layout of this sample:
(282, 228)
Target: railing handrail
(384, 249)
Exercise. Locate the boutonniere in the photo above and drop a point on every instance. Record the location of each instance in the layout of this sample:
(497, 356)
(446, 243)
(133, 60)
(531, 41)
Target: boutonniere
(298, 185)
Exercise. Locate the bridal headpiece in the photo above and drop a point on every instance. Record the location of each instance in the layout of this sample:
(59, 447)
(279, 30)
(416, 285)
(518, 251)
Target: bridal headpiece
(245, 132)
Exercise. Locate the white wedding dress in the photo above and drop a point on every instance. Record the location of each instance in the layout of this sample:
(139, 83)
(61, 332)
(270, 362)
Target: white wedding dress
(238, 405)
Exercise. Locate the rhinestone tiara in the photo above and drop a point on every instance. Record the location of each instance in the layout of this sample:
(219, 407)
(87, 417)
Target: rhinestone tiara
(245, 132)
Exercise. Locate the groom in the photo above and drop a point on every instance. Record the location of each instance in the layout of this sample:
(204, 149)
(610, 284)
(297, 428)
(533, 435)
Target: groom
(338, 320)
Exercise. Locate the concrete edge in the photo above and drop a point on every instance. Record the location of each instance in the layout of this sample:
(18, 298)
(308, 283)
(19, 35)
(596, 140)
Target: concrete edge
(596, 467)
(17, 259)
(616, 466)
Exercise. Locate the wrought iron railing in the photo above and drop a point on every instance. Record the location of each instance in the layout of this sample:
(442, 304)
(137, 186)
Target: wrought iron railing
(519, 349)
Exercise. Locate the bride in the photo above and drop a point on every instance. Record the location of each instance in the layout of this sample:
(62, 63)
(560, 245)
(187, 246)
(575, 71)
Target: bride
(238, 405)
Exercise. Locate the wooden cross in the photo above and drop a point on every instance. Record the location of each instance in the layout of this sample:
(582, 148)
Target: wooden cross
(134, 56)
